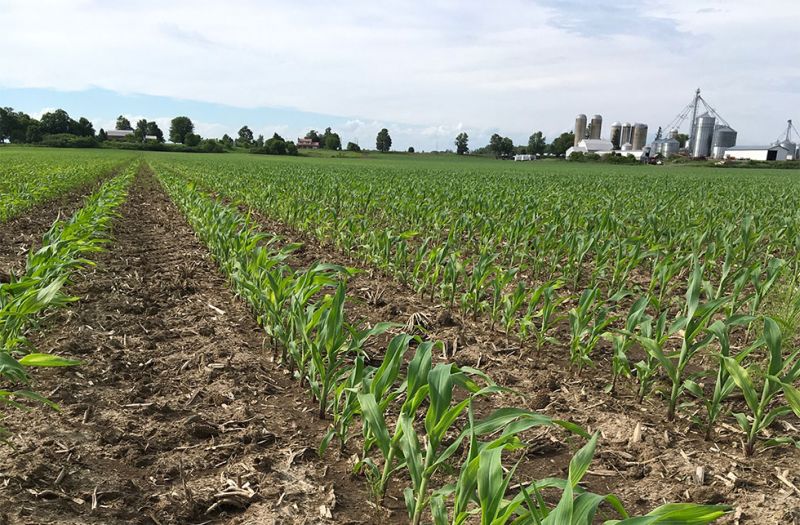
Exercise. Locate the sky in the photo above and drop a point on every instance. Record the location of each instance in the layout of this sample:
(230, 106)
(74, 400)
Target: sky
(424, 70)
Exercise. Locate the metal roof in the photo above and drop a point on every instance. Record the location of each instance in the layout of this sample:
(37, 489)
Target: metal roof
(752, 148)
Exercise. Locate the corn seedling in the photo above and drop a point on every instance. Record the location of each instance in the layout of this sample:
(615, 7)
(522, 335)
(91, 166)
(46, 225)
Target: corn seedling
(780, 375)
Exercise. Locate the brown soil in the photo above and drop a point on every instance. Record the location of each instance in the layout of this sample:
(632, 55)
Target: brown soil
(661, 466)
(175, 416)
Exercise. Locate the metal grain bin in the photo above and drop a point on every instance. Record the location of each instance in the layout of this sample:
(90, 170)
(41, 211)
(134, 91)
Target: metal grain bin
(580, 128)
(597, 126)
(703, 135)
(639, 136)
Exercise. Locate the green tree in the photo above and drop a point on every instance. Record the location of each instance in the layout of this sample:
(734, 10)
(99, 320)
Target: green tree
(227, 141)
(562, 143)
(314, 136)
(123, 124)
(14, 125)
(682, 139)
(102, 136)
(259, 142)
(245, 139)
(462, 143)
(179, 128)
(192, 139)
(331, 140)
(537, 144)
(140, 132)
(33, 133)
(55, 122)
(383, 142)
(154, 130)
(352, 146)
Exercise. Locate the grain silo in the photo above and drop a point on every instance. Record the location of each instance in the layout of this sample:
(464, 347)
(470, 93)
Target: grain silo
(627, 133)
(616, 134)
(580, 128)
(724, 138)
(703, 135)
(639, 136)
(597, 126)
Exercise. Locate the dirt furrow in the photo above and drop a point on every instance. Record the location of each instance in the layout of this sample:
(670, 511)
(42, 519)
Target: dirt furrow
(175, 415)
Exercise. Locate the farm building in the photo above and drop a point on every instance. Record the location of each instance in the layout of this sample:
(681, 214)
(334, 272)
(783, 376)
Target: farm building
(118, 134)
(592, 146)
(523, 157)
(305, 143)
(757, 153)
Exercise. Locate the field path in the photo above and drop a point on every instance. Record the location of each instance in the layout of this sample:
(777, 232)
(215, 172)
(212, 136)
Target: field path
(175, 417)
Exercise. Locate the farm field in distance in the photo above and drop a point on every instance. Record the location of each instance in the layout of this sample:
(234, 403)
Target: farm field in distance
(398, 338)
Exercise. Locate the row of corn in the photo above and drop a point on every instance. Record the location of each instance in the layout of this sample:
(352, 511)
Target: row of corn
(416, 428)
(26, 297)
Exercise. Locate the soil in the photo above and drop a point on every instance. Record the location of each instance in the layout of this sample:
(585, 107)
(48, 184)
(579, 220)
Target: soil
(177, 401)
(175, 416)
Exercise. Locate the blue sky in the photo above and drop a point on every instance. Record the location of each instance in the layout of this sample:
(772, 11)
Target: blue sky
(425, 70)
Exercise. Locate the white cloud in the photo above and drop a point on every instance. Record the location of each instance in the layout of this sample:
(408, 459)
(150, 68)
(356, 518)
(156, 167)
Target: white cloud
(436, 66)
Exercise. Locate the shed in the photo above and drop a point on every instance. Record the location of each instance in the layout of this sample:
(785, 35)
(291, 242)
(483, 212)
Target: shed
(757, 153)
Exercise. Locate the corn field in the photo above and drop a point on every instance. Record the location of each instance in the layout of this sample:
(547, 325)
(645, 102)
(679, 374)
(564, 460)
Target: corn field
(676, 288)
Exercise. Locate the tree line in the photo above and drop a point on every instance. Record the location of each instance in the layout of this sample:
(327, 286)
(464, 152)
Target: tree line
(500, 146)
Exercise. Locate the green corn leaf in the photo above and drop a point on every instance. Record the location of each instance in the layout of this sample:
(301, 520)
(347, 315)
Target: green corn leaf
(47, 360)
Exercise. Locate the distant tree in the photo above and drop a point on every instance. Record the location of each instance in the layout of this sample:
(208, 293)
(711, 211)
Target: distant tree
(682, 138)
(507, 146)
(14, 125)
(314, 136)
(588, 132)
(462, 143)
(154, 130)
(411, 149)
(259, 142)
(33, 133)
(192, 139)
(102, 136)
(227, 141)
(84, 128)
(123, 124)
(383, 142)
(562, 143)
(331, 140)
(276, 145)
(179, 128)
(537, 144)
(245, 139)
(55, 122)
(291, 148)
(140, 132)
(352, 146)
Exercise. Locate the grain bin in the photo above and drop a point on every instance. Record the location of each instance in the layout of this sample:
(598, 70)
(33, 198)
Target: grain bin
(616, 134)
(627, 133)
(703, 135)
(580, 128)
(639, 136)
(724, 138)
(597, 126)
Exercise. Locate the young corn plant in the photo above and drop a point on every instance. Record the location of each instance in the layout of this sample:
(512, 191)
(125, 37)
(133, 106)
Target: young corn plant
(512, 303)
(781, 374)
(724, 384)
(498, 286)
(332, 346)
(692, 323)
(587, 322)
(653, 337)
(623, 340)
